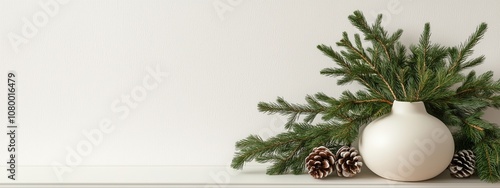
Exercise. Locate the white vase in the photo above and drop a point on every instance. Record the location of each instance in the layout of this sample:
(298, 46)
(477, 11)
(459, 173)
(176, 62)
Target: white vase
(408, 144)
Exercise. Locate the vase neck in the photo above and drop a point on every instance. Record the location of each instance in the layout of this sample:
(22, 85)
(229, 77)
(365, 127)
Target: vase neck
(408, 107)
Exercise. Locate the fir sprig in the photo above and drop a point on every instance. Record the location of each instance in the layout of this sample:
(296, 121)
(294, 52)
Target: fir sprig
(389, 71)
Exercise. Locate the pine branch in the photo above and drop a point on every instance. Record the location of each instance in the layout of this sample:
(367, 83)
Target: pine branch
(401, 81)
(286, 149)
(429, 69)
(329, 107)
(479, 86)
(346, 71)
(359, 21)
(487, 160)
(346, 43)
(422, 73)
(349, 102)
(312, 109)
(459, 54)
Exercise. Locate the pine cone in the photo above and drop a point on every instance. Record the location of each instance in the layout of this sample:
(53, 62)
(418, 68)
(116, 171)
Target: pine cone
(463, 164)
(349, 162)
(320, 162)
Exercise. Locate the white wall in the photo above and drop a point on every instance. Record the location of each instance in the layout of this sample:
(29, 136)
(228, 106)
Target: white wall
(91, 53)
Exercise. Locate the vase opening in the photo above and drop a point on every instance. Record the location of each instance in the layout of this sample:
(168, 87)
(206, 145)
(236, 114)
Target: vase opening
(408, 107)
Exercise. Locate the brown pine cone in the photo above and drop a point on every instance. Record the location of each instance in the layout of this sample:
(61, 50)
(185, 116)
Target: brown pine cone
(349, 162)
(463, 164)
(320, 162)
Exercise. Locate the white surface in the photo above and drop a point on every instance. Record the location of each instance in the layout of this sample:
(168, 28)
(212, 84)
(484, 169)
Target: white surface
(217, 176)
(89, 54)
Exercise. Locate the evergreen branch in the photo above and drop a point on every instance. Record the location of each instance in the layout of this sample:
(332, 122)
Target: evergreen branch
(464, 50)
(425, 43)
(422, 64)
(475, 126)
(495, 150)
(292, 110)
(328, 51)
(353, 102)
(474, 62)
(253, 147)
(442, 82)
(358, 20)
(401, 82)
(352, 48)
(345, 42)
(488, 168)
(385, 48)
(294, 152)
(490, 171)
(371, 89)
(479, 86)
(373, 100)
(290, 163)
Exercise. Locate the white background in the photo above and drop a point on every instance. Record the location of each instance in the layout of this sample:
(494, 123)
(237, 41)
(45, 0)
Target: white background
(220, 64)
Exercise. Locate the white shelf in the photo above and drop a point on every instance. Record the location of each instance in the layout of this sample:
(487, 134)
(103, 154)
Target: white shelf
(209, 176)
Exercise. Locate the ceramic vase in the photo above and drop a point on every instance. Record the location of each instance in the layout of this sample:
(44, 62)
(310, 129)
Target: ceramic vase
(408, 144)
